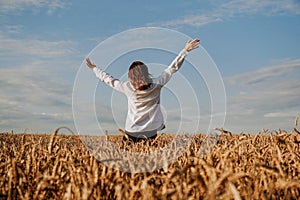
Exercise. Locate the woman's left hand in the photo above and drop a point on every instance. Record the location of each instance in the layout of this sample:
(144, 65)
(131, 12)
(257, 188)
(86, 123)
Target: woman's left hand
(192, 44)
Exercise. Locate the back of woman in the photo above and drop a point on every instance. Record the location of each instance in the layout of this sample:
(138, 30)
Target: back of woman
(144, 113)
(144, 116)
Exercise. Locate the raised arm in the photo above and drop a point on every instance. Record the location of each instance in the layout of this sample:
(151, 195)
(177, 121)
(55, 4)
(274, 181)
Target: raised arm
(177, 62)
(192, 44)
(90, 64)
(105, 77)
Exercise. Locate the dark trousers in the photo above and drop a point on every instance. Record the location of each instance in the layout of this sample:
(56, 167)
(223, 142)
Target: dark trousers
(140, 136)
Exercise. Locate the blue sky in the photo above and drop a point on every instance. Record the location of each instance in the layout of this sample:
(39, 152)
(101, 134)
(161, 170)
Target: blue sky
(255, 45)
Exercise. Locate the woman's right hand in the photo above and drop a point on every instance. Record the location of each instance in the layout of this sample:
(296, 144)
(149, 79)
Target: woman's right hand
(90, 64)
(192, 44)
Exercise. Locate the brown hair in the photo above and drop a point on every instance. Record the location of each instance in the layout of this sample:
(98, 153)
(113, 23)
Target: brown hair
(139, 75)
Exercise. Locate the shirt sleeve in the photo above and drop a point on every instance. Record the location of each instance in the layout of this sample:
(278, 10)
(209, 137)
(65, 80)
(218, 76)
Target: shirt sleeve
(172, 68)
(109, 80)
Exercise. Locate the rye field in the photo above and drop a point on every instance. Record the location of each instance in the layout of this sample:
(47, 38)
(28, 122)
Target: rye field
(265, 165)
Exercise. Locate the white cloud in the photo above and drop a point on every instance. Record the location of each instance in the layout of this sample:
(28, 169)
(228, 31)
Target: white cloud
(11, 29)
(267, 97)
(36, 83)
(192, 20)
(282, 114)
(230, 9)
(263, 74)
(31, 89)
(35, 47)
(267, 7)
(17, 6)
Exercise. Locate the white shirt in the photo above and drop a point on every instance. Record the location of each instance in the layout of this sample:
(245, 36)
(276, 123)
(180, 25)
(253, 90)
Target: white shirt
(144, 113)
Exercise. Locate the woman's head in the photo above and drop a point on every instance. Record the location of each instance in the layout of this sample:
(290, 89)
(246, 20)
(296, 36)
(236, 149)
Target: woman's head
(139, 75)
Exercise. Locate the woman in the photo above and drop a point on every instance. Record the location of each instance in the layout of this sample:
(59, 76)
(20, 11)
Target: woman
(144, 117)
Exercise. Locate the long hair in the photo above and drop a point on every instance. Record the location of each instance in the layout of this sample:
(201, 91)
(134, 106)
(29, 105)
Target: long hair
(139, 76)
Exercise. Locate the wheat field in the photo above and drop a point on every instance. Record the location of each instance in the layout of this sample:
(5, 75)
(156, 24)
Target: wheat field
(239, 166)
